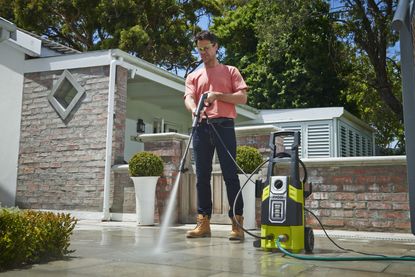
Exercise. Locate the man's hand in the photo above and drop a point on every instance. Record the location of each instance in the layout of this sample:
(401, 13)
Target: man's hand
(212, 96)
(239, 97)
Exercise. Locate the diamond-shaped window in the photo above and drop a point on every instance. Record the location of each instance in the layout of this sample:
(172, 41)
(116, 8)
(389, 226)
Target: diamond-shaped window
(65, 94)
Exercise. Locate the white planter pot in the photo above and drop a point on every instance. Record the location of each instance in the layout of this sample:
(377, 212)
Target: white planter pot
(248, 194)
(145, 195)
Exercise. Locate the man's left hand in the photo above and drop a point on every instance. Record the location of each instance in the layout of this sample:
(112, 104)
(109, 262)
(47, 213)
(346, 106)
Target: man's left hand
(212, 96)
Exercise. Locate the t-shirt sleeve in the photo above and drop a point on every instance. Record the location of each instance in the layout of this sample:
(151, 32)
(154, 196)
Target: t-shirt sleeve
(189, 87)
(238, 82)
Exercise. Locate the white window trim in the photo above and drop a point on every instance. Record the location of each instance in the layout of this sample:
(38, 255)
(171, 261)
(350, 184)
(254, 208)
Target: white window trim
(62, 111)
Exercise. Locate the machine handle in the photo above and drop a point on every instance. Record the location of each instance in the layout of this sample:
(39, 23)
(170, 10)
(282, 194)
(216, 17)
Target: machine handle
(295, 134)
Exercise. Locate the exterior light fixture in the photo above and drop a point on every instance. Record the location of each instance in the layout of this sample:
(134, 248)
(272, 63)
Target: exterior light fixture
(141, 126)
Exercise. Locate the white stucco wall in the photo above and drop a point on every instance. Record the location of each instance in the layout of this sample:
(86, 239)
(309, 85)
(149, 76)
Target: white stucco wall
(11, 87)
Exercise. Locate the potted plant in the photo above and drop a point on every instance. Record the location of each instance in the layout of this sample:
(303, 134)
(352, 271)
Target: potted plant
(145, 169)
(248, 158)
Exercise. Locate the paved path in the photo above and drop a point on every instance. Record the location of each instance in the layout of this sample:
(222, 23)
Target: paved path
(123, 249)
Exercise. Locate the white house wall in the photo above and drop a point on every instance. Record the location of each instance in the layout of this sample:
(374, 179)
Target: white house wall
(11, 87)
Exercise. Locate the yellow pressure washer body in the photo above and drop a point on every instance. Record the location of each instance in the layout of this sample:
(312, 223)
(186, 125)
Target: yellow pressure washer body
(282, 209)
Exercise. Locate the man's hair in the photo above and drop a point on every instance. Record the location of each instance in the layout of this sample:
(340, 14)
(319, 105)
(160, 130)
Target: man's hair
(206, 35)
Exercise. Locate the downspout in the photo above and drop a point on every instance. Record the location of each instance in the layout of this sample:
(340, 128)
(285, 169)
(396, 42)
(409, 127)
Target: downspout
(110, 123)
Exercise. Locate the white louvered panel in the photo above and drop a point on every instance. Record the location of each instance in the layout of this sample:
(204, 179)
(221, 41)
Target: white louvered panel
(350, 141)
(318, 141)
(369, 147)
(358, 143)
(343, 141)
(364, 147)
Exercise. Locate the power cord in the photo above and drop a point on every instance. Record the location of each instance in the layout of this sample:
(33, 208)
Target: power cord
(338, 246)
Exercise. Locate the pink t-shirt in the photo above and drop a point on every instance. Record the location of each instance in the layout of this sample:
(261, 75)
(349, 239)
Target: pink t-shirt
(221, 78)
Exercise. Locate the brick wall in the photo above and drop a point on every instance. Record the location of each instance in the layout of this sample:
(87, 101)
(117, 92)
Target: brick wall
(61, 162)
(369, 194)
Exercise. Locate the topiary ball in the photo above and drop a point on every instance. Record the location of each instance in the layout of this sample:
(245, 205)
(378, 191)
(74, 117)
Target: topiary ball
(145, 164)
(248, 158)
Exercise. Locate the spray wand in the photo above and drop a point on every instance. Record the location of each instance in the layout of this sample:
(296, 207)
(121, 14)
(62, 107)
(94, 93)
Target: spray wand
(196, 119)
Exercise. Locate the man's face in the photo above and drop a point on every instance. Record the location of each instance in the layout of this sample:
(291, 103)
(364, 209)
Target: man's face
(207, 50)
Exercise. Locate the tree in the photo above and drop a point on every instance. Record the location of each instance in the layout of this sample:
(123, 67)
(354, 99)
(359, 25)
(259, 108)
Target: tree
(288, 52)
(367, 26)
(371, 107)
(159, 31)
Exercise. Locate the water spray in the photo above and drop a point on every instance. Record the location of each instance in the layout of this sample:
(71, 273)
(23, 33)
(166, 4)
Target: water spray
(167, 218)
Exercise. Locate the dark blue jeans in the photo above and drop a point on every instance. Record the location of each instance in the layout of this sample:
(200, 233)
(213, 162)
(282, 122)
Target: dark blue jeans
(205, 140)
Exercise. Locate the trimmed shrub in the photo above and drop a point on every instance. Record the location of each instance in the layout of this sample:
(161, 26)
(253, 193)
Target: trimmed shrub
(145, 164)
(28, 236)
(248, 158)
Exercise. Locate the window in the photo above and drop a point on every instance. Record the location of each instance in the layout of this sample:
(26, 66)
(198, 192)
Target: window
(65, 94)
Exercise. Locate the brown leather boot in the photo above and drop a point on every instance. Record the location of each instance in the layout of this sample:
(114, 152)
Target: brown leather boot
(237, 233)
(202, 228)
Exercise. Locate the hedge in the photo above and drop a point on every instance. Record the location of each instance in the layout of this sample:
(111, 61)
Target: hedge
(28, 236)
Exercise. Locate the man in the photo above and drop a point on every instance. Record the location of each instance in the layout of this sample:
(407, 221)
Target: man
(225, 88)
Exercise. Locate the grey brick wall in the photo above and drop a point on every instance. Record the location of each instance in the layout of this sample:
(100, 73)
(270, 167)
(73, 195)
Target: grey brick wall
(61, 162)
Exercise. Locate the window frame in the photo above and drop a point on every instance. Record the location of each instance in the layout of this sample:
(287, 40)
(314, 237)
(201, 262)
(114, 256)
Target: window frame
(61, 110)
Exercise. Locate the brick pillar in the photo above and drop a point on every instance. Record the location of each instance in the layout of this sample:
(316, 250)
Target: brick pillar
(170, 147)
(118, 140)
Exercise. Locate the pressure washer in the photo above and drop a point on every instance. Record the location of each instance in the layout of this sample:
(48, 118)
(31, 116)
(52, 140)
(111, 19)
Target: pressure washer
(282, 208)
